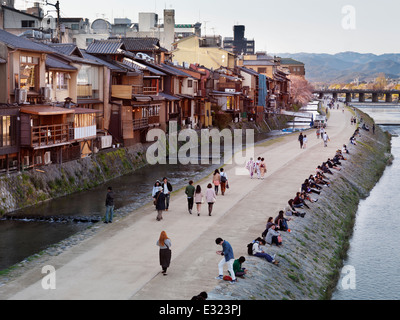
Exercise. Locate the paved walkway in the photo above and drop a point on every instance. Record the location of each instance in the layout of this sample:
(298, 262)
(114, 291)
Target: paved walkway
(121, 261)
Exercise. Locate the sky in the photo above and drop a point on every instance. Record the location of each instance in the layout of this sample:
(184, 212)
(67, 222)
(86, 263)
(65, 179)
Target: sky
(287, 26)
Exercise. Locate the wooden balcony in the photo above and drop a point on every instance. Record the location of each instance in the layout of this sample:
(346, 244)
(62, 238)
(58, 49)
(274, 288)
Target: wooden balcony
(237, 86)
(51, 136)
(139, 124)
(127, 91)
(154, 120)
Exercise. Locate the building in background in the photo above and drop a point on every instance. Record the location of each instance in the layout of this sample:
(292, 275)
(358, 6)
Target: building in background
(239, 45)
(295, 67)
(196, 50)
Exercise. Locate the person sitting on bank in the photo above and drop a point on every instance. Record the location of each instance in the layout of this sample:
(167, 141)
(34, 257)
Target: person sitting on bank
(332, 165)
(298, 201)
(273, 236)
(258, 252)
(270, 222)
(291, 211)
(319, 179)
(305, 187)
(281, 222)
(306, 196)
(237, 267)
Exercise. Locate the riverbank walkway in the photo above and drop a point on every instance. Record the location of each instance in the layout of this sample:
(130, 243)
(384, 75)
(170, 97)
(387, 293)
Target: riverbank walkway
(121, 260)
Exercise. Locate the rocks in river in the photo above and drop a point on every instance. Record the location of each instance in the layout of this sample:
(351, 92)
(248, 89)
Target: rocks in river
(54, 219)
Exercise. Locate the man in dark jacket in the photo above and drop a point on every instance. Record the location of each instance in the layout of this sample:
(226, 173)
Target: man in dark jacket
(190, 190)
(109, 206)
(167, 189)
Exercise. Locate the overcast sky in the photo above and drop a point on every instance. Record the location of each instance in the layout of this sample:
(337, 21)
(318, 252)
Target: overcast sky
(317, 26)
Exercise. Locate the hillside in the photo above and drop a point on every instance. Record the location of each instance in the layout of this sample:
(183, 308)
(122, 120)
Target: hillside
(344, 67)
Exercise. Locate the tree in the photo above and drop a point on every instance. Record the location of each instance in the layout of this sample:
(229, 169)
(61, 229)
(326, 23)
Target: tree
(301, 90)
(380, 82)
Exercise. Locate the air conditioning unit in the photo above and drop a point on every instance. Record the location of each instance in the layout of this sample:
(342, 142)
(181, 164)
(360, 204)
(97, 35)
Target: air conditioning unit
(46, 94)
(21, 96)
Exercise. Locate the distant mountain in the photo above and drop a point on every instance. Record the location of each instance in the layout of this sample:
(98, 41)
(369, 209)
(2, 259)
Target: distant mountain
(344, 67)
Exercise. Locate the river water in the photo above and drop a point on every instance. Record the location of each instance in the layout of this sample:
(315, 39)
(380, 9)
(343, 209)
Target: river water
(21, 239)
(372, 269)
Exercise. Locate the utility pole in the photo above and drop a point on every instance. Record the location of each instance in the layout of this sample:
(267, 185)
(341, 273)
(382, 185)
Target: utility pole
(57, 6)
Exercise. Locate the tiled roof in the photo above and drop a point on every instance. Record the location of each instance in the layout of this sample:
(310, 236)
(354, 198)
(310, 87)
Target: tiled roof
(14, 42)
(105, 47)
(66, 48)
(141, 44)
(290, 61)
(54, 63)
(258, 63)
(176, 71)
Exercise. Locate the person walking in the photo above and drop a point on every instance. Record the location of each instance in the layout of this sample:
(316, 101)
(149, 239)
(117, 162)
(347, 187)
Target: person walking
(325, 137)
(156, 187)
(210, 198)
(250, 165)
(257, 167)
(301, 139)
(189, 191)
(165, 252)
(263, 168)
(167, 192)
(109, 206)
(160, 203)
(228, 259)
(198, 198)
(224, 181)
(305, 140)
(216, 180)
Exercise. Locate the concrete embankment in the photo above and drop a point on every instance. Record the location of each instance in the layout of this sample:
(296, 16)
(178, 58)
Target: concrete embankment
(31, 187)
(312, 255)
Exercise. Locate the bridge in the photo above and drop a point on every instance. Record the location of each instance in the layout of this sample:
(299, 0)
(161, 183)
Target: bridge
(350, 93)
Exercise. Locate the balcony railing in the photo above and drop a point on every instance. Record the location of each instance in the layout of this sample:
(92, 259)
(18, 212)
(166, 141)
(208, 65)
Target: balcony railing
(140, 124)
(51, 135)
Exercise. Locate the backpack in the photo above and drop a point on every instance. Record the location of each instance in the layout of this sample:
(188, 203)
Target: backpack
(264, 234)
(250, 249)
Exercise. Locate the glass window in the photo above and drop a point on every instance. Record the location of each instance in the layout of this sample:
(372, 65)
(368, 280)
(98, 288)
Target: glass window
(62, 81)
(29, 73)
(7, 131)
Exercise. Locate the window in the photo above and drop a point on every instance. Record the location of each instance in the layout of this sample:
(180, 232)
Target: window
(89, 41)
(8, 131)
(27, 23)
(262, 70)
(85, 120)
(150, 111)
(190, 83)
(62, 80)
(88, 82)
(29, 73)
(75, 26)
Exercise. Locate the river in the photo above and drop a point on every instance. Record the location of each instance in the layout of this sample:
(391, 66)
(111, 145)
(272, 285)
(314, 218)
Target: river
(372, 268)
